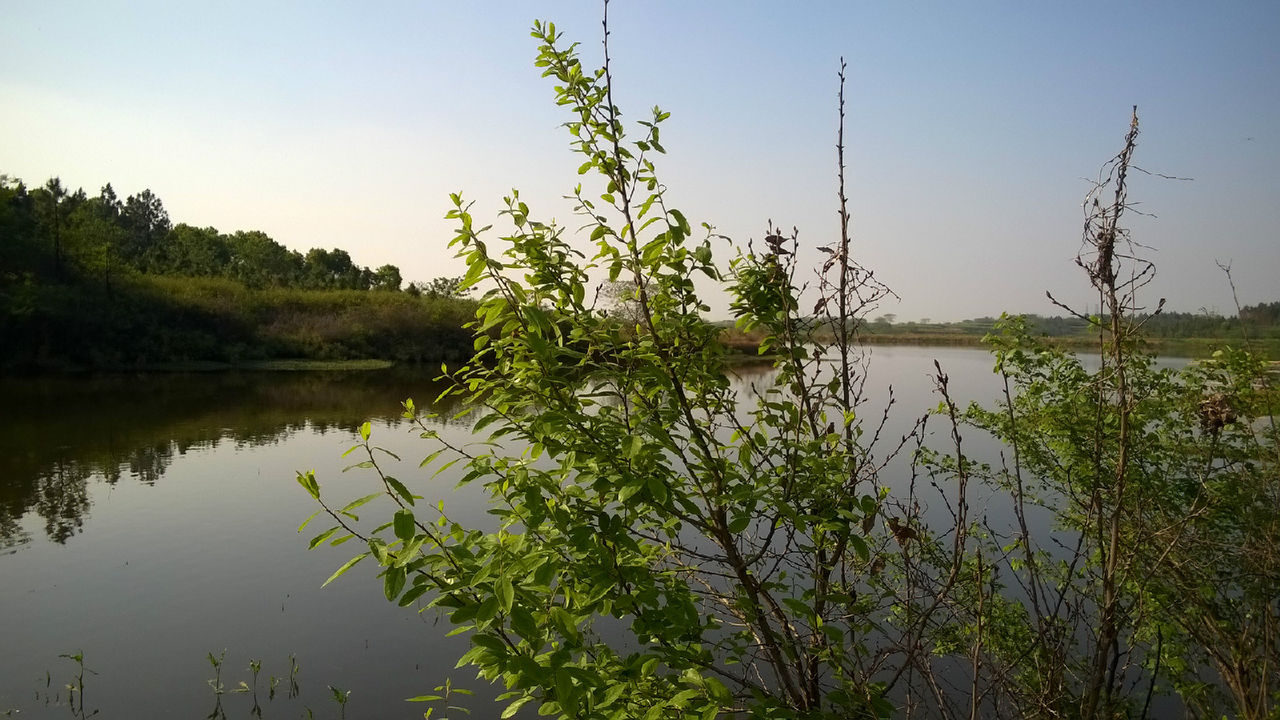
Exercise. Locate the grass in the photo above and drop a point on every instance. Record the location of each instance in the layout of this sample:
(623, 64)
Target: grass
(201, 324)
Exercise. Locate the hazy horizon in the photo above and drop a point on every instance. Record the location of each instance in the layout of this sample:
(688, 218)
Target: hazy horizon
(970, 137)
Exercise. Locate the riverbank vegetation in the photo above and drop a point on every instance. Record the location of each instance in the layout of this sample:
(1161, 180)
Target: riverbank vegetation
(1165, 333)
(664, 547)
(152, 321)
(94, 282)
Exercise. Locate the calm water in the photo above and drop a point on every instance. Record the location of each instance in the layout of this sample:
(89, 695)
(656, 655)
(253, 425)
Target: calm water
(147, 521)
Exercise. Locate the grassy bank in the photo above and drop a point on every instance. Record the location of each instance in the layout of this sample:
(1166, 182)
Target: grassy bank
(189, 323)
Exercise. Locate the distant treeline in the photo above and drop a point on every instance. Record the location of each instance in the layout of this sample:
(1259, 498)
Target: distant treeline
(1175, 333)
(1254, 321)
(96, 282)
(50, 233)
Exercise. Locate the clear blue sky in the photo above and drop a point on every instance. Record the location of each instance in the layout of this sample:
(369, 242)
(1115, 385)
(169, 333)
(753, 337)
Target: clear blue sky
(972, 127)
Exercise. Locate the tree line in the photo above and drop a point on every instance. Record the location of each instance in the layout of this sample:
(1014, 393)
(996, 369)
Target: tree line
(1261, 320)
(103, 283)
(52, 233)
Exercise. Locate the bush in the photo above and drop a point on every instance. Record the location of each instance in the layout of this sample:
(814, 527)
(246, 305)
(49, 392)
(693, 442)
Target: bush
(748, 549)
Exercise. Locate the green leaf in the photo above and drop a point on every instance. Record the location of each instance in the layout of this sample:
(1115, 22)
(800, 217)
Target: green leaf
(308, 481)
(525, 626)
(366, 430)
(400, 489)
(379, 549)
(322, 537)
(345, 567)
(869, 505)
(404, 525)
(514, 707)
(630, 489)
(799, 607)
(657, 488)
(393, 582)
(860, 546)
(412, 594)
(504, 592)
(683, 697)
(566, 692)
(310, 517)
(611, 695)
(680, 221)
(487, 610)
(359, 502)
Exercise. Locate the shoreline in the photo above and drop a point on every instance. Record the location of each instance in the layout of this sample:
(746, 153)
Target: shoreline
(738, 352)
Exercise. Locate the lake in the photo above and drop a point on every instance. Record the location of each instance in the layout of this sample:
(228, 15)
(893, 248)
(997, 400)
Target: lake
(149, 520)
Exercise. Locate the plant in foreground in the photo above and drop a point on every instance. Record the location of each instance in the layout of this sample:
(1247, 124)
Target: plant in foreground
(666, 546)
(727, 541)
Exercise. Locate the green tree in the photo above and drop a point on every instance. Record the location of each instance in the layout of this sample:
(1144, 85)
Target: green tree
(198, 252)
(258, 261)
(51, 217)
(146, 225)
(386, 277)
(1262, 314)
(109, 204)
(20, 251)
(94, 239)
(333, 270)
(441, 287)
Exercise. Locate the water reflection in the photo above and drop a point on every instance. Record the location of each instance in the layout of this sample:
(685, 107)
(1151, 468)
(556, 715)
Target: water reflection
(210, 558)
(57, 435)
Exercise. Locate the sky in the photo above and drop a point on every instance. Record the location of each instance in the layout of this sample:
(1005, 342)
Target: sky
(973, 129)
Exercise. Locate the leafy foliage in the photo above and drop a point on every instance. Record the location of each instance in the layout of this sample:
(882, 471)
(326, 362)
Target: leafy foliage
(1162, 488)
(663, 546)
(645, 497)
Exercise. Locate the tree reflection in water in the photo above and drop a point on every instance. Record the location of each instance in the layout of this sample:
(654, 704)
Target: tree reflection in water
(58, 435)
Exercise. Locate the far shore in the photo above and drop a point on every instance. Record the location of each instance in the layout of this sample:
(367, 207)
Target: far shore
(740, 351)
(1168, 347)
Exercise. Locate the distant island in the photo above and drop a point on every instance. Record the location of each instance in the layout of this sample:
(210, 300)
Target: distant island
(103, 283)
